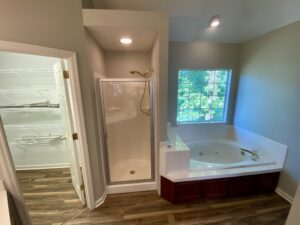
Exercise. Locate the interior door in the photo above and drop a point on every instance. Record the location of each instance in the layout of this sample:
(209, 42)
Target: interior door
(62, 83)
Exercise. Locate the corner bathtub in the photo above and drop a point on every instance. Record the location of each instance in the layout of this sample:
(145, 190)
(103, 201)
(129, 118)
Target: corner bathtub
(222, 154)
(211, 165)
(200, 155)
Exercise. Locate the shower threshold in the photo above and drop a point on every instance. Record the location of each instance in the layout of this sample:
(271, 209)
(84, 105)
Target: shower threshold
(132, 187)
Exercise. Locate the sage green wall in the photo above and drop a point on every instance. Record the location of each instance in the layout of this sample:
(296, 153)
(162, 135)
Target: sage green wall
(268, 101)
(201, 55)
(57, 24)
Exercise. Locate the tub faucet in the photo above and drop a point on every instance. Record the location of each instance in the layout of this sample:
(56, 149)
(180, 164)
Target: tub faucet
(169, 144)
(254, 154)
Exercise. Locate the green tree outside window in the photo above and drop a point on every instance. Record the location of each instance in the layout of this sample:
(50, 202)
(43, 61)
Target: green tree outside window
(202, 95)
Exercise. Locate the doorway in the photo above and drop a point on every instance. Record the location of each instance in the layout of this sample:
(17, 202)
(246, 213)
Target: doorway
(39, 121)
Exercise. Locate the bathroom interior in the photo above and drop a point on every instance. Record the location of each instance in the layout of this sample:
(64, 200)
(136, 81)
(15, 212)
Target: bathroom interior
(190, 114)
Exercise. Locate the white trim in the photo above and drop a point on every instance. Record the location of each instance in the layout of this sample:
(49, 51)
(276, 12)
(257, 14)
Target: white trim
(226, 100)
(125, 79)
(134, 187)
(284, 195)
(97, 77)
(101, 200)
(10, 179)
(8, 169)
(82, 138)
(43, 166)
(4, 206)
(34, 49)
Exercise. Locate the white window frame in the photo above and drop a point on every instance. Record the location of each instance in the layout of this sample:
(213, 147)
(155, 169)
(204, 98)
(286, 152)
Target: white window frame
(226, 102)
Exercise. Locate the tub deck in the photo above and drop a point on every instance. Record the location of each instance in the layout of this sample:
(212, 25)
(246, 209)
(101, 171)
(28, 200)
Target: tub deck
(180, 163)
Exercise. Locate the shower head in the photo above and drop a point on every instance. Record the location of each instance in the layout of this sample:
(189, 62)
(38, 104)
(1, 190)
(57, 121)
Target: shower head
(146, 74)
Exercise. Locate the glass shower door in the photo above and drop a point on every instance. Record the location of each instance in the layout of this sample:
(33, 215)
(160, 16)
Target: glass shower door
(127, 112)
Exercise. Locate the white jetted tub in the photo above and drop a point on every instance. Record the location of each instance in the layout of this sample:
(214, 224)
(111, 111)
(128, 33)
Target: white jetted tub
(223, 154)
(218, 151)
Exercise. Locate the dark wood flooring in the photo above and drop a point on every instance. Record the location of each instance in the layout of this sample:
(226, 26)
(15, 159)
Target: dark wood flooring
(49, 195)
(147, 208)
(51, 200)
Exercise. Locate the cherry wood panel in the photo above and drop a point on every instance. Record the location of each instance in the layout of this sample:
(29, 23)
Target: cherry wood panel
(182, 192)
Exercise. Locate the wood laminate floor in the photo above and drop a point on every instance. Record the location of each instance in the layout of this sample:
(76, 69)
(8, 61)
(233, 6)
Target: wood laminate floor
(49, 195)
(51, 200)
(147, 208)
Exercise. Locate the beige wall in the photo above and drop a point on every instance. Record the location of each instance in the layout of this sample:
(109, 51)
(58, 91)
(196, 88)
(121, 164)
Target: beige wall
(95, 54)
(201, 55)
(96, 60)
(268, 95)
(294, 216)
(119, 63)
(87, 4)
(155, 67)
(57, 24)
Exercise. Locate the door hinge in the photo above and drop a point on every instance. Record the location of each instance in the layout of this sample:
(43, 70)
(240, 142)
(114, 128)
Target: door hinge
(81, 187)
(75, 136)
(66, 74)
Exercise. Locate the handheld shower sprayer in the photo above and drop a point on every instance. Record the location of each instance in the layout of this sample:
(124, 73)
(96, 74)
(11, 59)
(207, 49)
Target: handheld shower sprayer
(146, 74)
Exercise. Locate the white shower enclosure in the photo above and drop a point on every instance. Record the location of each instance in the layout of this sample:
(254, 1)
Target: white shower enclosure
(126, 108)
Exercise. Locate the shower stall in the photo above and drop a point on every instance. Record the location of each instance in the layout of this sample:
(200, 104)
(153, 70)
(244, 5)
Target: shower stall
(127, 116)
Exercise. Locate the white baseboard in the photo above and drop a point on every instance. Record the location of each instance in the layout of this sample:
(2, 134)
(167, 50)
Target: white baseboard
(284, 195)
(101, 200)
(126, 188)
(43, 166)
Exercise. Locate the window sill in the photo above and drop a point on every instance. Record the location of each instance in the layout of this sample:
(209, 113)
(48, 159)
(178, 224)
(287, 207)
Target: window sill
(200, 123)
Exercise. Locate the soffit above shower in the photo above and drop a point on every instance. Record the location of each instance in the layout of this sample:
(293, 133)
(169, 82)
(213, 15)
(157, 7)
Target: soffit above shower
(109, 37)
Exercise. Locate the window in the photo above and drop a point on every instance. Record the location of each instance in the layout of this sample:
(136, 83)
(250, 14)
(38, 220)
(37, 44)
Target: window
(202, 95)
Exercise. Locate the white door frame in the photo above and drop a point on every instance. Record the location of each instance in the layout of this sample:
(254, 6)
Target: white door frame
(10, 179)
(6, 165)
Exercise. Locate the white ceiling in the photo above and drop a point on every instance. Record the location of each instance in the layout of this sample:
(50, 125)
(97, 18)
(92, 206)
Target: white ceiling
(109, 38)
(241, 20)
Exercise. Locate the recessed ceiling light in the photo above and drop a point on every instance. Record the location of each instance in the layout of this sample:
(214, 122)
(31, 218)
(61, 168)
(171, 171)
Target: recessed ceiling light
(126, 40)
(214, 21)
